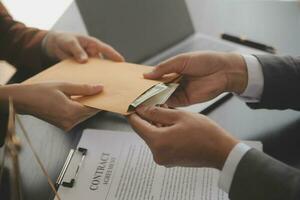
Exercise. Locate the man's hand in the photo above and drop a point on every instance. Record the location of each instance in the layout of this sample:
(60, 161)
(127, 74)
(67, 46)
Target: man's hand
(59, 46)
(205, 76)
(178, 138)
(51, 101)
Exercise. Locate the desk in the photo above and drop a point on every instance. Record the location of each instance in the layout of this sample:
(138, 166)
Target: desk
(53, 144)
(272, 127)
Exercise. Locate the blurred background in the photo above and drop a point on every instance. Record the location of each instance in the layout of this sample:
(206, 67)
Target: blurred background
(272, 22)
(269, 21)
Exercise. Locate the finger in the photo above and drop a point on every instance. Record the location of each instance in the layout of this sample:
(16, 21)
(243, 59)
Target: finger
(97, 47)
(80, 114)
(164, 105)
(72, 89)
(178, 99)
(88, 111)
(92, 52)
(159, 115)
(143, 128)
(109, 52)
(85, 111)
(173, 65)
(77, 51)
(61, 55)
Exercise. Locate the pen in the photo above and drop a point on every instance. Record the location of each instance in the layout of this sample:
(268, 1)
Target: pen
(216, 104)
(249, 43)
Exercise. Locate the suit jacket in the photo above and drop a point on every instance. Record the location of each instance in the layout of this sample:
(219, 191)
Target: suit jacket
(258, 176)
(20, 45)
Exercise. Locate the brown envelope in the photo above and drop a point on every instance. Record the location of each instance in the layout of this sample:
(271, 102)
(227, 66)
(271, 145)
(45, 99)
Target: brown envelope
(123, 82)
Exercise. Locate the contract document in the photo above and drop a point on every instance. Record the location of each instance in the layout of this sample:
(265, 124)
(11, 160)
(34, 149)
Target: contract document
(120, 166)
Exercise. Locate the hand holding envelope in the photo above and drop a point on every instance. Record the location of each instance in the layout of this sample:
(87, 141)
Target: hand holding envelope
(124, 85)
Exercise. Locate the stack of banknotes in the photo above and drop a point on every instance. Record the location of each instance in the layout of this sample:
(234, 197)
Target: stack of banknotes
(156, 95)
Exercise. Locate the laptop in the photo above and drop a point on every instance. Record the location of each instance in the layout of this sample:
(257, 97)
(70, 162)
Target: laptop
(148, 32)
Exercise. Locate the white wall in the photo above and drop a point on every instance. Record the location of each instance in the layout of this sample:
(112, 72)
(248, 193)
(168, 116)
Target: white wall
(37, 13)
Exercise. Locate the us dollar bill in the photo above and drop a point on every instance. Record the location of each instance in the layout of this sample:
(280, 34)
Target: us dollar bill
(149, 93)
(161, 97)
(157, 95)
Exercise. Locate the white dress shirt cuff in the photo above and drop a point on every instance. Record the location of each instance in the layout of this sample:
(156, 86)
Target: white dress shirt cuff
(255, 84)
(231, 163)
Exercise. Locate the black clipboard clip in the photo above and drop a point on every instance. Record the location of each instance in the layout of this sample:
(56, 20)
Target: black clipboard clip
(69, 172)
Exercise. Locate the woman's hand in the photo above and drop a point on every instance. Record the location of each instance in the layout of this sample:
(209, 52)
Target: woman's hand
(205, 76)
(59, 46)
(51, 101)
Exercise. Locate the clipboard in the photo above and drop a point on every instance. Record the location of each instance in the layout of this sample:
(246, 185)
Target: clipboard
(68, 175)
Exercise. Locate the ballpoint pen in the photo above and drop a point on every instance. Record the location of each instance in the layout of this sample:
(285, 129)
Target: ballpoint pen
(249, 43)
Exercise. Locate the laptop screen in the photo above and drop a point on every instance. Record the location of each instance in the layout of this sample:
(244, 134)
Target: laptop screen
(139, 29)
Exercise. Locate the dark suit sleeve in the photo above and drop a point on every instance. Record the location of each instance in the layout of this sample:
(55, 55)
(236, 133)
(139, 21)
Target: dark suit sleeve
(281, 82)
(261, 177)
(20, 45)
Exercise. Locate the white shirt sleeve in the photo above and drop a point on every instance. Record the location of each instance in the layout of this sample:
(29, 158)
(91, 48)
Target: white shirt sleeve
(231, 163)
(255, 84)
(253, 94)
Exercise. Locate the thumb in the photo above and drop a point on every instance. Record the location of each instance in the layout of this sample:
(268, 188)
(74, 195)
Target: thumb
(173, 65)
(72, 89)
(158, 115)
